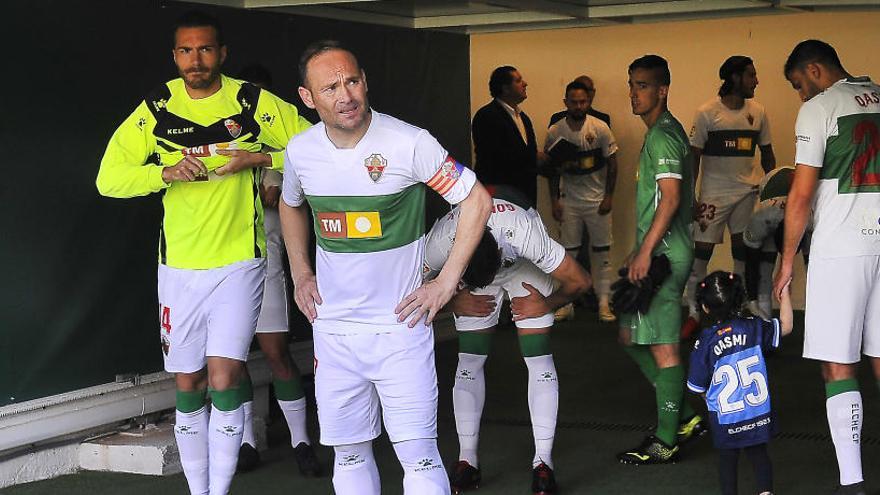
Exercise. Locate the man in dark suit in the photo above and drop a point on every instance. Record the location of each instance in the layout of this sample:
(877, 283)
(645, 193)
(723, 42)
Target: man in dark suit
(504, 139)
(591, 93)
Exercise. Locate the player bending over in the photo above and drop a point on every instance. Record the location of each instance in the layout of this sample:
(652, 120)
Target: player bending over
(518, 260)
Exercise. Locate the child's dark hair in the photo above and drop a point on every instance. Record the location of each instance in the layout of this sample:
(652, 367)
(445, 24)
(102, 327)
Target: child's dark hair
(723, 294)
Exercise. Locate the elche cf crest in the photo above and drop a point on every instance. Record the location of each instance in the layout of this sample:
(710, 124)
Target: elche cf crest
(233, 127)
(375, 164)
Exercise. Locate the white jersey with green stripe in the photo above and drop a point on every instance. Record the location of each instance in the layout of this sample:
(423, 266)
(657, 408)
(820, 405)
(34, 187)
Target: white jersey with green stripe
(728, 139)
(838, 131)
(215, 220)
(368, 207)
(519, 232)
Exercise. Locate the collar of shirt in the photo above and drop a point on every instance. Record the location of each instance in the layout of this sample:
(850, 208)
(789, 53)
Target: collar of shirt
(514, 112)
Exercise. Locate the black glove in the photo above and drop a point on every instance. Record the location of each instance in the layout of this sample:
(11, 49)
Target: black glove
(628, 297)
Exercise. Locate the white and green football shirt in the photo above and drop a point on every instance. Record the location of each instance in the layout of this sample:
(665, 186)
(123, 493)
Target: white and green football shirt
(838, 131)
(584, 180)
(519, 232)
(368, 206)
(728, 139)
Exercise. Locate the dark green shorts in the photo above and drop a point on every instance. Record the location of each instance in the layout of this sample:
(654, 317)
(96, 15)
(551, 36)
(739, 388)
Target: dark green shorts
(662, 323)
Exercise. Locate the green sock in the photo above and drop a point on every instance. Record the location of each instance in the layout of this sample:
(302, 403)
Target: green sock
(670, 392)
(225, 400)
(246, 389)
(187, 402)
(841, 386)
(288, 390)
(535, 344)
(474, 343)
(641, 354)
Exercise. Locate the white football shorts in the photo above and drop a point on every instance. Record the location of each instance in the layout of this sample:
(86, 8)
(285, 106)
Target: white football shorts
(355, 374)
(842, 309)
(508, 283)
(714, 213)
(208, 313)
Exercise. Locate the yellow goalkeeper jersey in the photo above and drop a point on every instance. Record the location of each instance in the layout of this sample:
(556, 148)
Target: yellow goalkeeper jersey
(219, 220)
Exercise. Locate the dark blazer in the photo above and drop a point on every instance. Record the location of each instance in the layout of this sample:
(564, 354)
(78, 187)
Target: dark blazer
(502, 158)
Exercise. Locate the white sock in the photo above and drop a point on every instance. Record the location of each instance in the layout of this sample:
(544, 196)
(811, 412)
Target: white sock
(845, 422)
(543, 406)
(224, 442)
(247, 432)
(468, 397)
(600, 266)
(191, 433)
(295, 415)
(423, 472)
(355, 471)
(698, 273)
(765, 287)
(739, 268)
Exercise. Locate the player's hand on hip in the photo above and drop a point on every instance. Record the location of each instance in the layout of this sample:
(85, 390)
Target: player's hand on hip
(188, 169)
(533, 305)
(241, 160)
(605, 206)
(782, 280)
(466, 303)
(427, 300)
(557, 209)
(639, 266)
(306, 296)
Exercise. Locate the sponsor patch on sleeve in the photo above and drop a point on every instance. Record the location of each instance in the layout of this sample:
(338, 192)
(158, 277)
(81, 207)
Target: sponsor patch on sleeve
(447, 175)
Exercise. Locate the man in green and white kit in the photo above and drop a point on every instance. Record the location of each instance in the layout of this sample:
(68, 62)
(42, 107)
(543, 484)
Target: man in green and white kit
(364, 175)
(837, 179)
(664, 211)
(198, 141)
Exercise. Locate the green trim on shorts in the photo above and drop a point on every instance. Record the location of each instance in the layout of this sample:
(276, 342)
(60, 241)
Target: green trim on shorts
(225, 400)
(189, 402)
(474, 343)
(537, 344)
(662, 323)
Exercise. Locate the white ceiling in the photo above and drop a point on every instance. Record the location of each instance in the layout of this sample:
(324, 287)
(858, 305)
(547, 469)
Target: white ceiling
(511, 15)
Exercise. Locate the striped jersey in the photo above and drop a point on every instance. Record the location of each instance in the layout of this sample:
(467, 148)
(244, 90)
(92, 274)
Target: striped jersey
(368, 208)
(728, 139)
(219, 220)
(584, 180)
(838, 131)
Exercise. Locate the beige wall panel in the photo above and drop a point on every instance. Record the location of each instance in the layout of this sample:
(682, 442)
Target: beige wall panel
(548, 60)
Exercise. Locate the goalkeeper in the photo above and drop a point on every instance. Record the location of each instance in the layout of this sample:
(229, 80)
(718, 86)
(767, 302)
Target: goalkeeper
(664, 211)
(518, 260)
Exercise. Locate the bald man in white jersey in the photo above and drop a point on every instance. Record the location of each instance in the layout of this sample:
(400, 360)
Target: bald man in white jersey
(363, 174)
